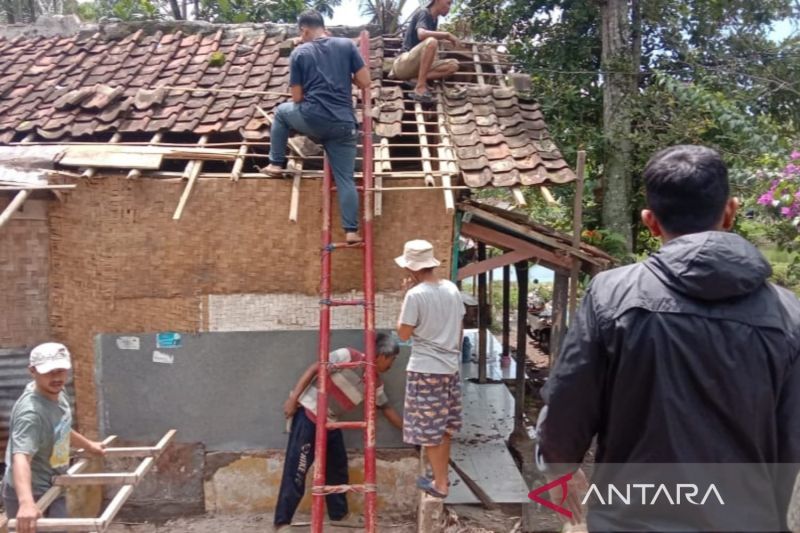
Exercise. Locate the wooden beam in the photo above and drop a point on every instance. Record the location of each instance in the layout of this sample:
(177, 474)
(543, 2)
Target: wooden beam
(64, 524)
(15, 204)
(506, 309)
(519, 197)
(498, 69)
(482, 316)
(507, 242)
(577, 222)
(508, 258)
(99, 478)
(424, 148)
(191, 172)
(547, 195)
(522, 346)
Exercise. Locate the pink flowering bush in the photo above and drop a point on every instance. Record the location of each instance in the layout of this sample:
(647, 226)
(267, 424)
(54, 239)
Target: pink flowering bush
(783, 195)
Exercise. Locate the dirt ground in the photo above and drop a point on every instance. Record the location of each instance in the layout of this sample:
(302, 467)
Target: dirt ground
(461, 519)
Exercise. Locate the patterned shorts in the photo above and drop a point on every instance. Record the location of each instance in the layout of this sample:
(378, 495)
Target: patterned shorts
(432, 408)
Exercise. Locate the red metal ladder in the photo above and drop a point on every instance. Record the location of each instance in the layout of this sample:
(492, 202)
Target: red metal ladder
(369, 486)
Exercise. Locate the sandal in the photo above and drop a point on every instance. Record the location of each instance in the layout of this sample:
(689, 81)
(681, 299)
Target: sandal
(352, 237)
(274, 169)
(424, 98)
(426, 484)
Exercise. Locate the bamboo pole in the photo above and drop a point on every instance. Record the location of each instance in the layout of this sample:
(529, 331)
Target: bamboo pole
(478, 67)
(191, 172)
(236, 172)
(448, 162)
(12, 207)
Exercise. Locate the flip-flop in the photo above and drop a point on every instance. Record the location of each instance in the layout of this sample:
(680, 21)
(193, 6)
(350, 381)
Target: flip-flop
(424, 98)
(275, 172)
(426, 484)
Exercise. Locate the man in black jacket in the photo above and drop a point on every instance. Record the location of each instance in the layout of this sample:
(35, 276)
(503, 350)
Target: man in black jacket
(689, 358)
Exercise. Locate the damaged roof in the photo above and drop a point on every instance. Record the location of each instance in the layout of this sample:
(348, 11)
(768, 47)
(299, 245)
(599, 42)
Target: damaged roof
(62, 88)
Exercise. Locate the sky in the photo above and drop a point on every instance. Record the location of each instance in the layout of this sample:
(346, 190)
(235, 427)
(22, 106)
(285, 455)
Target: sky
(349, 13)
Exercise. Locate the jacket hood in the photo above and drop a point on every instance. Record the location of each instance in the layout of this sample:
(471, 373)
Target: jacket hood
(712, 265)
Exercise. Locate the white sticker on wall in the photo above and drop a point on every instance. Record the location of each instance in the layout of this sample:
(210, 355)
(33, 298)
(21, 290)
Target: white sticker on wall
(161, 357)
(128, 343)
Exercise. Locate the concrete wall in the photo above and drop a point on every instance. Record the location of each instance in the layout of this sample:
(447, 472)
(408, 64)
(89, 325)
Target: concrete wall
(225, 390)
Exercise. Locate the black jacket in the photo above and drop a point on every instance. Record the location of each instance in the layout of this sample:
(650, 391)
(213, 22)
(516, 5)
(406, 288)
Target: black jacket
(688, 357)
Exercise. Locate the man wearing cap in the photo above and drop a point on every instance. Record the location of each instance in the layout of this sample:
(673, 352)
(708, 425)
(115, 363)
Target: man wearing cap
(40, 434)
(431, 316)
(420, 48)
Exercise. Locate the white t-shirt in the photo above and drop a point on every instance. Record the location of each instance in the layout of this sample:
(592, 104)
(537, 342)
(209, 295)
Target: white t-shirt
(436, 310)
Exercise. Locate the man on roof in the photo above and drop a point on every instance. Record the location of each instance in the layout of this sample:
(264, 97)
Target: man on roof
(421, 48)
(321, 75)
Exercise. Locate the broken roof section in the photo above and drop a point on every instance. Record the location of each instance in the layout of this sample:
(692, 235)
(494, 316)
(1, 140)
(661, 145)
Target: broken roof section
(211, 80)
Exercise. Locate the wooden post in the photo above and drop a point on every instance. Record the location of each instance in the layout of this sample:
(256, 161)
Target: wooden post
(481, 317)
(294, 199)
(191, 172)
(577, 222)
(522, 344)
(506, 310)
(560, 290)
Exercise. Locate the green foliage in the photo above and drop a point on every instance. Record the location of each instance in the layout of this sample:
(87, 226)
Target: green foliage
(709, 74)
(127, 10)
(383, 13)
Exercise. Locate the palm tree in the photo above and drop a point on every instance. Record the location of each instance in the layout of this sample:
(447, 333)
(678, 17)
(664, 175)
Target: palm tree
(383, 13)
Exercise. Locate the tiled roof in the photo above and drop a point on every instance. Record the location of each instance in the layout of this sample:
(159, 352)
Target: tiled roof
(64, 88)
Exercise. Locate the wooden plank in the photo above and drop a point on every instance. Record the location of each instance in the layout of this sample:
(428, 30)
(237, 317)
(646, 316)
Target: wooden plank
(424, 148)
(508, 258)
(547, 195)
(90, 172)
(63, 524)
(294, 202)
(476, 489)
(100, 478)
(135, 172)
(501, 240)
(74, 157)
(193, 169)
(12, 207)
(497, 68)
(577, 222)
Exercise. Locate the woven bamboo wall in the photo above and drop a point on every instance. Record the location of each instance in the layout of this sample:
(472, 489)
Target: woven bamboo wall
(121, 264)
(24, 246)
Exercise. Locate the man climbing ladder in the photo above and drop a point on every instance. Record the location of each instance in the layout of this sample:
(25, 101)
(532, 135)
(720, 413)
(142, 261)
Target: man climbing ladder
(322, 72)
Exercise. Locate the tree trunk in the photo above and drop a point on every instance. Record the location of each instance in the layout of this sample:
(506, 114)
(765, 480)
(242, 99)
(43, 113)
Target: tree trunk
(618, 95)
(176, 9)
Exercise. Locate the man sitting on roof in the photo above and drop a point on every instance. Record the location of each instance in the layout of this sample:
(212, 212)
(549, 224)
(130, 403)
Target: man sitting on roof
(322, 72)
(420, 47)
(345, 393)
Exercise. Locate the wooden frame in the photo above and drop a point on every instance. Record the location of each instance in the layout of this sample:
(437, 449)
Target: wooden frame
(73, 477)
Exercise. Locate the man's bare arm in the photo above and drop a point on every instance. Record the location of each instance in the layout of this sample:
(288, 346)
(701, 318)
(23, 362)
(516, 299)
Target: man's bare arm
(393, 417)
(423, 34)
(297, 93)
(28, 512)
(362, 79)
(291, 403)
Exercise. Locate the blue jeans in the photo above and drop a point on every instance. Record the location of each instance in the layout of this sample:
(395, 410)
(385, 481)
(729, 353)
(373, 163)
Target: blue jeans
(299, 458)
(339, 141)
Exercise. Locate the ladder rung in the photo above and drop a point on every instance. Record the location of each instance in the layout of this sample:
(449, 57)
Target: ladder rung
(349, 364)
(358, 424)
(336, 245)
(338, 489)
(342, 303)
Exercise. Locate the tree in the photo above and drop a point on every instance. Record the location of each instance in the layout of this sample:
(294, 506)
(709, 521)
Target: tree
(384, 13)
(701, 71)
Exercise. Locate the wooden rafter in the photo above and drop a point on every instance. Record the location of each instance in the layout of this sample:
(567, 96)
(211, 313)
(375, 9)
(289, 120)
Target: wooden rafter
(191, 173)
(135, 172)
(424, 147)
(507, 242)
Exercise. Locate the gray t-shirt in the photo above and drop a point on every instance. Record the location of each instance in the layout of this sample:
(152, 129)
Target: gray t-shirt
(435, 310)
(40, 428)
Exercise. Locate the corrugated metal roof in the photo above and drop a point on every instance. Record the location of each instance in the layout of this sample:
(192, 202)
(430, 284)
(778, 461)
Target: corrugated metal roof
(13, 378)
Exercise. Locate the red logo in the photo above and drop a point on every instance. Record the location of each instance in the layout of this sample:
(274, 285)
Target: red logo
(563, 480)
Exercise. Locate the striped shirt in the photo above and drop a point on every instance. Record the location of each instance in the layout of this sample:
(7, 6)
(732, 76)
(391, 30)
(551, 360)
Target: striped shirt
(345, 387)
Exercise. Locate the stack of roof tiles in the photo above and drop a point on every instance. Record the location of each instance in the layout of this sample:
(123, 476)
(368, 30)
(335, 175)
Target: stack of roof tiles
(63, 88)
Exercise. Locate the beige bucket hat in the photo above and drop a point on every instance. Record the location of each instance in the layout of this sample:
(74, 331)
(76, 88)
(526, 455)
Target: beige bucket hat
(417, 254)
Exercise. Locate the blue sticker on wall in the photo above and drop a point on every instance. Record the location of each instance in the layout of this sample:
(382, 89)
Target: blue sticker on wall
(168, 340)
